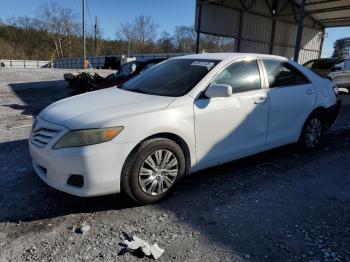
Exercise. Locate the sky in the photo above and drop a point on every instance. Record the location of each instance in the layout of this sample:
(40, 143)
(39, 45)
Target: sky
(166, 13)
(332, 34)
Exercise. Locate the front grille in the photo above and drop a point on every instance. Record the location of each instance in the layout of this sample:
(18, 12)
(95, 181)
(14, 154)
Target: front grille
(43, 135)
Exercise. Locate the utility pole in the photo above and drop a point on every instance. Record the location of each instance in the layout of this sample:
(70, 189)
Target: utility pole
(96, 35)
(84, 40)
(300, 21)
(199, 21)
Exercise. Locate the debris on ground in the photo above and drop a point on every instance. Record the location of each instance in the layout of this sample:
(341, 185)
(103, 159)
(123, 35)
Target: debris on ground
(137, 244)
(82, 229)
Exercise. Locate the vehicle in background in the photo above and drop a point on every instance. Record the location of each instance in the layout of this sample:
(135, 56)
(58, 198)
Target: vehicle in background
(112, 62)
(181, 116)
(321, 66)
(341, 73)
(86, 82)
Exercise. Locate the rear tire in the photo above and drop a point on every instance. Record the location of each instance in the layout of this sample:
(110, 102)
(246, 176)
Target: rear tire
(312, 132)
(152, 170)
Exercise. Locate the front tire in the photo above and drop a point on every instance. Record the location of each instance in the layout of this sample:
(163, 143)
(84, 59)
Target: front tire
(152, 170)
(312, 133)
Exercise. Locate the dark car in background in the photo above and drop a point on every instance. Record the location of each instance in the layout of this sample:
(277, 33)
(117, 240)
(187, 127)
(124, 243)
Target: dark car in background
(86, 82)
(322, 66)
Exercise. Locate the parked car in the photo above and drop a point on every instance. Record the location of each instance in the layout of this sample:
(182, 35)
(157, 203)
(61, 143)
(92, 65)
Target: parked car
(322, 66)
(112, 62)
(183, 115)
(86, 82)
(341, 73)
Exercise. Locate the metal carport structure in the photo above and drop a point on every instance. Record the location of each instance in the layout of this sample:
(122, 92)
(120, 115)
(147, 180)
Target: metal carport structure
(290, 28)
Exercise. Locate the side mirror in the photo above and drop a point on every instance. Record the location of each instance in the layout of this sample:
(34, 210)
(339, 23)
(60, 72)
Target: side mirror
(219, 90)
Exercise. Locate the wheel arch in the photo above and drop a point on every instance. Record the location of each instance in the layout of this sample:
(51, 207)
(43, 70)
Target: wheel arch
(318, 110)
(173, 137)
(322, 110)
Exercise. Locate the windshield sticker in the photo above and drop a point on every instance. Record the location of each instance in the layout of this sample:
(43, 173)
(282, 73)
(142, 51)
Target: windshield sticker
(208, 65)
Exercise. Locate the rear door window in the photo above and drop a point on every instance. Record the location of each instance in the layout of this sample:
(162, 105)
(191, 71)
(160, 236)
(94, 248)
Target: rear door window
(282, 74)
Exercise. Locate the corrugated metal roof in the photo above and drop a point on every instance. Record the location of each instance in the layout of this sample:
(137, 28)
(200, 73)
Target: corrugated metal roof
(270, 26)
(329, 13)
(326, 13)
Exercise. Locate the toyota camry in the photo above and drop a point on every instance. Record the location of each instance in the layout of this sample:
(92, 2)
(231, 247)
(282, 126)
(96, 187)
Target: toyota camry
(180, 116)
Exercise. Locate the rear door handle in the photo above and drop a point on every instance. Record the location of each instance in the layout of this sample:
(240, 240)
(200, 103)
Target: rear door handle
(309, 92)
(260, 100)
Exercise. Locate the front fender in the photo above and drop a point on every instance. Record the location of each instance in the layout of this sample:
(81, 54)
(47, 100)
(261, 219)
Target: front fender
(178, 121)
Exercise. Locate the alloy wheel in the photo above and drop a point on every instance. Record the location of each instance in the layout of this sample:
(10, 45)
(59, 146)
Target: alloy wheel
(313, 132)
(158, 172)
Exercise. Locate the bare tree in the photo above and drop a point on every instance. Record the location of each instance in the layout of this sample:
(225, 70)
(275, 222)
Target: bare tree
(165, 43)
(59, 22)
(211, 43)
(144, 28)
(185, 38)
(126, 32)
(23, 22)
(97, 35)
(139, 34)
(20, 41)
(6, 50)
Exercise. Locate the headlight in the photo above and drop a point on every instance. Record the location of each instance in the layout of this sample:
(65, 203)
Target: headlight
(87, 137)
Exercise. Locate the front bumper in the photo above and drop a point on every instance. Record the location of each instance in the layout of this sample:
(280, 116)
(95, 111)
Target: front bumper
(100, 166)
(332, 113)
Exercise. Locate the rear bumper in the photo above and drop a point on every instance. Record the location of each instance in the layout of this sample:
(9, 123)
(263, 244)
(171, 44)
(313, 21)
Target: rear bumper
(332, 113)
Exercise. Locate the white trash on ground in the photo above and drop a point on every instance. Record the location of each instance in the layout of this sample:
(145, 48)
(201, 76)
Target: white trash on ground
(149, 250)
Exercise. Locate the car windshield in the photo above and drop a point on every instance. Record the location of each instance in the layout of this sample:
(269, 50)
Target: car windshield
(174, 77)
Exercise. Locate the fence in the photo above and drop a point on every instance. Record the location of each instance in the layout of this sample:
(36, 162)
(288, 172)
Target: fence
(77, 63)
(24, 63)
(98, 61)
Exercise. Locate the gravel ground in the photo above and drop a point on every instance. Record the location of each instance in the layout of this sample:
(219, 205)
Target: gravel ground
(281, 205)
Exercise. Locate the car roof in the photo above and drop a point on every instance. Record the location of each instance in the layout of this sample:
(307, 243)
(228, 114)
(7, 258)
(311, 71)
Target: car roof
(150, 60)
(228, 56)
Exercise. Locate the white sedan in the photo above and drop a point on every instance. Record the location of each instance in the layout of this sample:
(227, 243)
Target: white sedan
(181, 116)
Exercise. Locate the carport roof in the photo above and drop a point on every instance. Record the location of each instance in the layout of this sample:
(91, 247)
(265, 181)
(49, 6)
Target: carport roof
(329, 13)
(326, 13)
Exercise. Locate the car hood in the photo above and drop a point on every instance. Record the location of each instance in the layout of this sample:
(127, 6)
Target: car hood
(100, 108)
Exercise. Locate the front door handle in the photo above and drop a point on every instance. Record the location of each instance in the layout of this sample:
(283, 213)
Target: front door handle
(260, 100)
(309, 92)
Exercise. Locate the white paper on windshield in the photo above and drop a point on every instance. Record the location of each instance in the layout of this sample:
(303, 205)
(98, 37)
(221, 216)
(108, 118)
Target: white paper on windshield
(208, 65)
